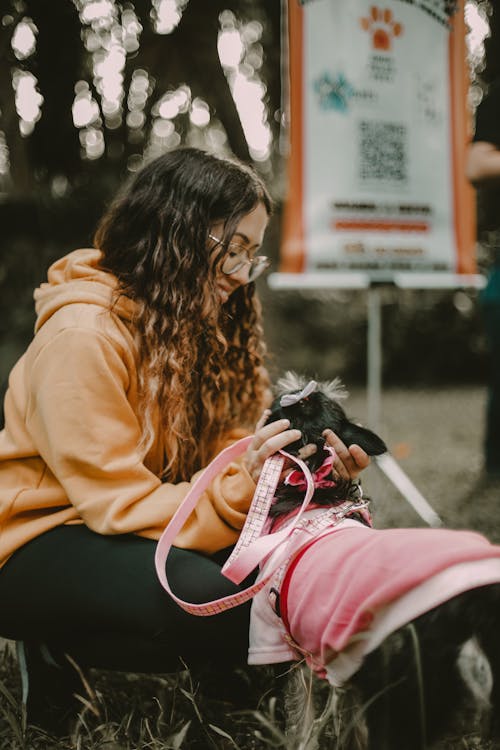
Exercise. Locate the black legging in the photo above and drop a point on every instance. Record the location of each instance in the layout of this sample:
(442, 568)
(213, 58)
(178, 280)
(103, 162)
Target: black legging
(98, 598)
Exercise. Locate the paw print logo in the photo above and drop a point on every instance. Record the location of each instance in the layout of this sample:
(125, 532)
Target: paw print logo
(382, 26)
(333, 93)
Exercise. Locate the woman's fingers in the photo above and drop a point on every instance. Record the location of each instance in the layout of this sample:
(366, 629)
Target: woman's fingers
(348, 461)
(262, 421)
(361, 457)
(268, 440)
(264, 431)
(275, 442)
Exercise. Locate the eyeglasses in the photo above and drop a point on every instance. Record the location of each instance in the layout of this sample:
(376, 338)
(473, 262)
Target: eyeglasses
(237, 257)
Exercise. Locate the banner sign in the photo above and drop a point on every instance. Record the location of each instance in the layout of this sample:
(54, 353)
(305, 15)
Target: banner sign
(378, 132)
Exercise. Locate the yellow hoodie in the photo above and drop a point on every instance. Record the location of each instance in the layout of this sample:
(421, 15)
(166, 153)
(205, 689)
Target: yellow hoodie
(68, 453)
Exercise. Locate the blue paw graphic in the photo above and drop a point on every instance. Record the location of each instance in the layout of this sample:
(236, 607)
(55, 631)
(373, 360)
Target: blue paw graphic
(333, 93)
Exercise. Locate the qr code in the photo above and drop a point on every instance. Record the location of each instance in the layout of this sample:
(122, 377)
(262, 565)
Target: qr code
(383, 151)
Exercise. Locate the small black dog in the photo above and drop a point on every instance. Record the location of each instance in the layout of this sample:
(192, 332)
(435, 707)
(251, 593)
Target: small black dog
(318, 410)
(408, 689)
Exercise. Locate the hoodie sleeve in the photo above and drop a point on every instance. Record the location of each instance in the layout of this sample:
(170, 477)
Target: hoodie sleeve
(87, 432)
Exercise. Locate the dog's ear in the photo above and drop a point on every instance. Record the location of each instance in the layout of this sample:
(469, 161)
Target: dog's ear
(366, 439)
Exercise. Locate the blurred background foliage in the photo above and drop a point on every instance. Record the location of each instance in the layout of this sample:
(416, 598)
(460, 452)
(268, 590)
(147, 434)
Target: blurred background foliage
(89, 89)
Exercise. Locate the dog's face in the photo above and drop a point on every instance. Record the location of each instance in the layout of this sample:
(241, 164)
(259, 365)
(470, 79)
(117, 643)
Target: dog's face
(318, 411)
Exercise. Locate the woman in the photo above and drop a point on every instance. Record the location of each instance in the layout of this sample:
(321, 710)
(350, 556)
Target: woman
(147, 359)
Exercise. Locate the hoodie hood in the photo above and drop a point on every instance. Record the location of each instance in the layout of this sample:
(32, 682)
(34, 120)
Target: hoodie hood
(77, 278)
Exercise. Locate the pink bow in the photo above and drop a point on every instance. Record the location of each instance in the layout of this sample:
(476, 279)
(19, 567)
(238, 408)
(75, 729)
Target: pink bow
(297, 479)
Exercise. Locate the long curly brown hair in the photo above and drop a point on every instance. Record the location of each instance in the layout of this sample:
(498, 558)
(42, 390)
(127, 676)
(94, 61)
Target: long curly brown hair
(200, 364)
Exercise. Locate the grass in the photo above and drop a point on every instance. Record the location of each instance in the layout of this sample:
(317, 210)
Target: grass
(166, 712)
(147, 712)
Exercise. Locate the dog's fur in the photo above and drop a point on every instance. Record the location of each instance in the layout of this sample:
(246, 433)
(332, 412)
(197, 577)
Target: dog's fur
(409, 689)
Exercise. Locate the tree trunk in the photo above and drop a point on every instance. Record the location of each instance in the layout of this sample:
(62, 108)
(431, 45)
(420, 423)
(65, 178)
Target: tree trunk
(20, 173)
(54, 145)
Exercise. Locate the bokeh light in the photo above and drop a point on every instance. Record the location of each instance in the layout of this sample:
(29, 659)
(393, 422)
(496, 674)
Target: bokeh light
(96, 11)
(166, 15)
(85, 109)
(200, 113)
(24, 39)
(241, 56)
(111, 32)
(92, 140)
(230, 46)
(28, 100)
(478, 30)
(173, 103)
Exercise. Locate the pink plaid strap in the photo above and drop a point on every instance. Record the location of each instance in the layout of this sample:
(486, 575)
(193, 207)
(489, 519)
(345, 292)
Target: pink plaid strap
(250, 550)
(255, 520)
(252, 546)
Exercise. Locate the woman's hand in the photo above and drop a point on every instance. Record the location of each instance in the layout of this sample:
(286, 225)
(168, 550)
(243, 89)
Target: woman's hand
(350, 461)
(268, 439)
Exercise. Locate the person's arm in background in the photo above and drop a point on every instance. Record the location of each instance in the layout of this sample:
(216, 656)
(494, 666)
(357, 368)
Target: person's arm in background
(483, 156)
(483, 163)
